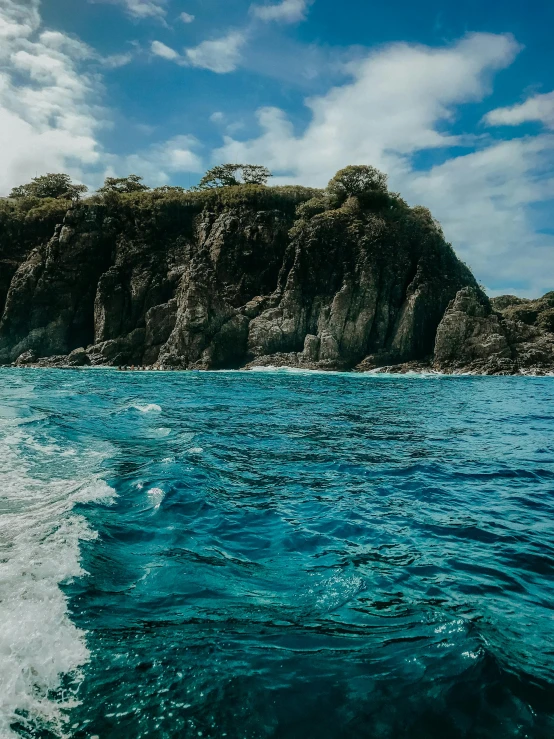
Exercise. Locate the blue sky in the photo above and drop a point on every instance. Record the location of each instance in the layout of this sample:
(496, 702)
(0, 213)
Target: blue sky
(454, 101)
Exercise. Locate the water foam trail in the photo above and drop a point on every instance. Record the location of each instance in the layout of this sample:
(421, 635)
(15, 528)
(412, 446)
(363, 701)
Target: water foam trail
(40, 537)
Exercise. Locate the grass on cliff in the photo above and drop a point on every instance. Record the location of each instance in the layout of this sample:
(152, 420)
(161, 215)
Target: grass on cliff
(26, 222)
(34, 211)
(258, 197)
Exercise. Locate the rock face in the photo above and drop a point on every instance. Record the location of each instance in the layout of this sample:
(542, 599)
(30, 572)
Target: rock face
(269, 276)
(473, 337)
(49, 305)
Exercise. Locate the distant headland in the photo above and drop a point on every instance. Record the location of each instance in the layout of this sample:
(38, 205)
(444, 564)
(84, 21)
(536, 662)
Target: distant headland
(237, 274)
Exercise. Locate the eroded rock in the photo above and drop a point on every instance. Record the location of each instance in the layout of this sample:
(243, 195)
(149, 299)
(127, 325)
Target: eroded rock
(215, 286)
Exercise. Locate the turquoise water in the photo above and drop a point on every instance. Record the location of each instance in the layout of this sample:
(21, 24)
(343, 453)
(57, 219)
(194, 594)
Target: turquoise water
(275, 554)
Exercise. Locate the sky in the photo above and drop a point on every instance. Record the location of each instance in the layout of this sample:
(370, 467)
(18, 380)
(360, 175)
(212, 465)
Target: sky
(454, 101)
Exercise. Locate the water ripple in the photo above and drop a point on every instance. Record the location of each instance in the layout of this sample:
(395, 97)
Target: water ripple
(299, 555)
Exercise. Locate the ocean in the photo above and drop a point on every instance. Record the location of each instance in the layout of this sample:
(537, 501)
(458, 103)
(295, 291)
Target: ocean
(275, 554)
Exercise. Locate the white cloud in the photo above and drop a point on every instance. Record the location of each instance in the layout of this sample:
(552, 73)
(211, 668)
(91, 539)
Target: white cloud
(220, 55)
(536, 108)
(49, 114)
(400, 101)
(164, 51)
(117, 60)
(397, 103)
(287, 11)
(160, 162)
(485, 201)
(139, 8)
(186, 18)
(217, 117)
(17, 20)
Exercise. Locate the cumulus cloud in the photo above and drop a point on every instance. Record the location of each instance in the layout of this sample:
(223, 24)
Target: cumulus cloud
(537, 108)
(220, 55)
(166, 52)
(139, 8)
(400, 101)
(396, 103)
(486, 202)
(49, 114)
(17, 20)
(186, 17)
(287, 11)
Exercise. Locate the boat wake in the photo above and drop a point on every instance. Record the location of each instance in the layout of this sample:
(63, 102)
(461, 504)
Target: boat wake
(41, 650)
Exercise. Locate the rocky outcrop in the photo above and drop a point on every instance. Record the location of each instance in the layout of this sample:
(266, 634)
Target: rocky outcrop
(473, 337)
(538, 313)
(267, 276)
(49, 306)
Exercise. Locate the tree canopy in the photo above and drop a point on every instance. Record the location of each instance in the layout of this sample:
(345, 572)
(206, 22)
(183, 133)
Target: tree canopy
(229, 175)
(358, 180)
(50, 185)
(131, 183)
(169, 189)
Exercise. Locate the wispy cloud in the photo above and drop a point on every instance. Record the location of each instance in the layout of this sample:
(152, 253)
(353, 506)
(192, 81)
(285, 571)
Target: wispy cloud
(536, 108)
(186, 18)
(166, 52)
(287, 11)
(139, 8)
(114, 61)
(221, 55)
(395, 103)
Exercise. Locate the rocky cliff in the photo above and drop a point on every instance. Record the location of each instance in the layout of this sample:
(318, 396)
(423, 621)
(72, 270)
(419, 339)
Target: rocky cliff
(245, 276)
(488, 336)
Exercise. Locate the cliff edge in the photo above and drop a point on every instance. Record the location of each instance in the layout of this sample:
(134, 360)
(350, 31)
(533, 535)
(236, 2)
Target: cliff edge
(246, 276)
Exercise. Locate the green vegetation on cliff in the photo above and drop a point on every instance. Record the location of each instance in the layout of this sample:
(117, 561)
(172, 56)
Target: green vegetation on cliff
(227, 273)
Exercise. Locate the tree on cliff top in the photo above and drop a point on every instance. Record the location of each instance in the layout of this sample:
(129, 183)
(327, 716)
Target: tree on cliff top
(228, 175)
(49, 186)
(131, 183)
(357, 180)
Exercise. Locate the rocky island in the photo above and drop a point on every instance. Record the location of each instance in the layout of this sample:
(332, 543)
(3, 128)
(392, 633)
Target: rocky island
(237, 274)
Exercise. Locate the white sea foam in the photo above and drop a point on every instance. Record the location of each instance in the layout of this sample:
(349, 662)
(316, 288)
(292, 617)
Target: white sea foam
(40, 536)
(274, 369)
(147, 408)
(155, 496)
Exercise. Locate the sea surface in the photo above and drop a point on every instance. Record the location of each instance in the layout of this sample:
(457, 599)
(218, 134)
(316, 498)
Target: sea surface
(275, 554)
